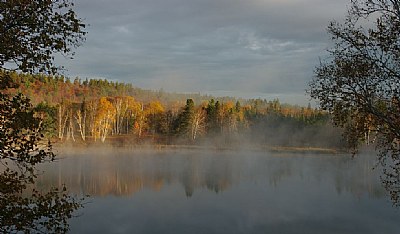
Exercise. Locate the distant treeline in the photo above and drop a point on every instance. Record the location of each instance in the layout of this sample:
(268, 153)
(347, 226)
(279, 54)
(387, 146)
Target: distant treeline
(96, 110)
(55, 89)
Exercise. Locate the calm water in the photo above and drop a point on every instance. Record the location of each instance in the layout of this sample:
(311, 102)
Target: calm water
(224, 192)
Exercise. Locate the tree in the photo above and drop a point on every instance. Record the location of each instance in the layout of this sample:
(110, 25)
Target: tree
(154, 112)
(360, 84)
(211, 109)
(63, 110)
(80, 117)
(229, 118)
(92, 107)
(197, 125)
(104, 118)
(133, 110)
(120, 112)
(47, 114)
(183, 123)
(140, 120)
(22, 147)
(31, 32)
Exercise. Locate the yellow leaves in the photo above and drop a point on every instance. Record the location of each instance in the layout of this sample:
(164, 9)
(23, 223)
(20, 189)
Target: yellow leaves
(154, 107)
(104, 103)
(132, 105)
(229, 105)
(105, 109)
(105, 117)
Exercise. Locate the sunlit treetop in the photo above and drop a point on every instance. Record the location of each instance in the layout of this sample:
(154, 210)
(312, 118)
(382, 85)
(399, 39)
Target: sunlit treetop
(33, 31)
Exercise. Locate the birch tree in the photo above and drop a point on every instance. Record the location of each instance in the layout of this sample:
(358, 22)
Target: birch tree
(80, 117)
(62, 118)
(104, 118)
(198, 124)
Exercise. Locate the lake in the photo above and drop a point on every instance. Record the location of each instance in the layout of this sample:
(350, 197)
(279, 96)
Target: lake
(172, 191)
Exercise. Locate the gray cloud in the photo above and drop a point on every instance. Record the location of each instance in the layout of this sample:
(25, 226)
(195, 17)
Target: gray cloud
(259, 47)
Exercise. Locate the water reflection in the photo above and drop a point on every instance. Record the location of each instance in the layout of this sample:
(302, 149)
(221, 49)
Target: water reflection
(125, 173)
(224, 192)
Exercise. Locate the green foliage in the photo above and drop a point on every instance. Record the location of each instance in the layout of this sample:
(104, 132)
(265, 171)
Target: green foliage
(212, 121)
(47, 114)
(184, 119)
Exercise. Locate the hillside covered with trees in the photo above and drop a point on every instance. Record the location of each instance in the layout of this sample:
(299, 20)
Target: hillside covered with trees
(99, 110)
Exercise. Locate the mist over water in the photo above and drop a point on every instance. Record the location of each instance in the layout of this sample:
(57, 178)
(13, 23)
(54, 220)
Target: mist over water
(193, 191)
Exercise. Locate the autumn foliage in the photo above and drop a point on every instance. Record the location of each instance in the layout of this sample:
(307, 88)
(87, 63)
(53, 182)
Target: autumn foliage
(97, 110)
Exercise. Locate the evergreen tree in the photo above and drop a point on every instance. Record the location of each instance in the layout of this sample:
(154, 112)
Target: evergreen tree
(185, 118)
(211, 119)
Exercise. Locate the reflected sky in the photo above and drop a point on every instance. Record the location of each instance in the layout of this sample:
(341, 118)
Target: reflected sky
(224, 192)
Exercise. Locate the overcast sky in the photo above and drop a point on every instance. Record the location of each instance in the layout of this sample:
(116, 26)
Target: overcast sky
(243, 48)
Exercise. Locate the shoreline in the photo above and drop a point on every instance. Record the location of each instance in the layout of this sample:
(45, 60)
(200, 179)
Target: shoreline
(81, 148)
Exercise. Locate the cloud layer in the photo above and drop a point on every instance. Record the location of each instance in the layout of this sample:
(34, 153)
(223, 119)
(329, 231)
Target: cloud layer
(251, 48)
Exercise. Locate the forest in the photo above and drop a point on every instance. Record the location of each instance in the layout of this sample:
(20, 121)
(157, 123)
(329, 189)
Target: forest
(98, 110)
